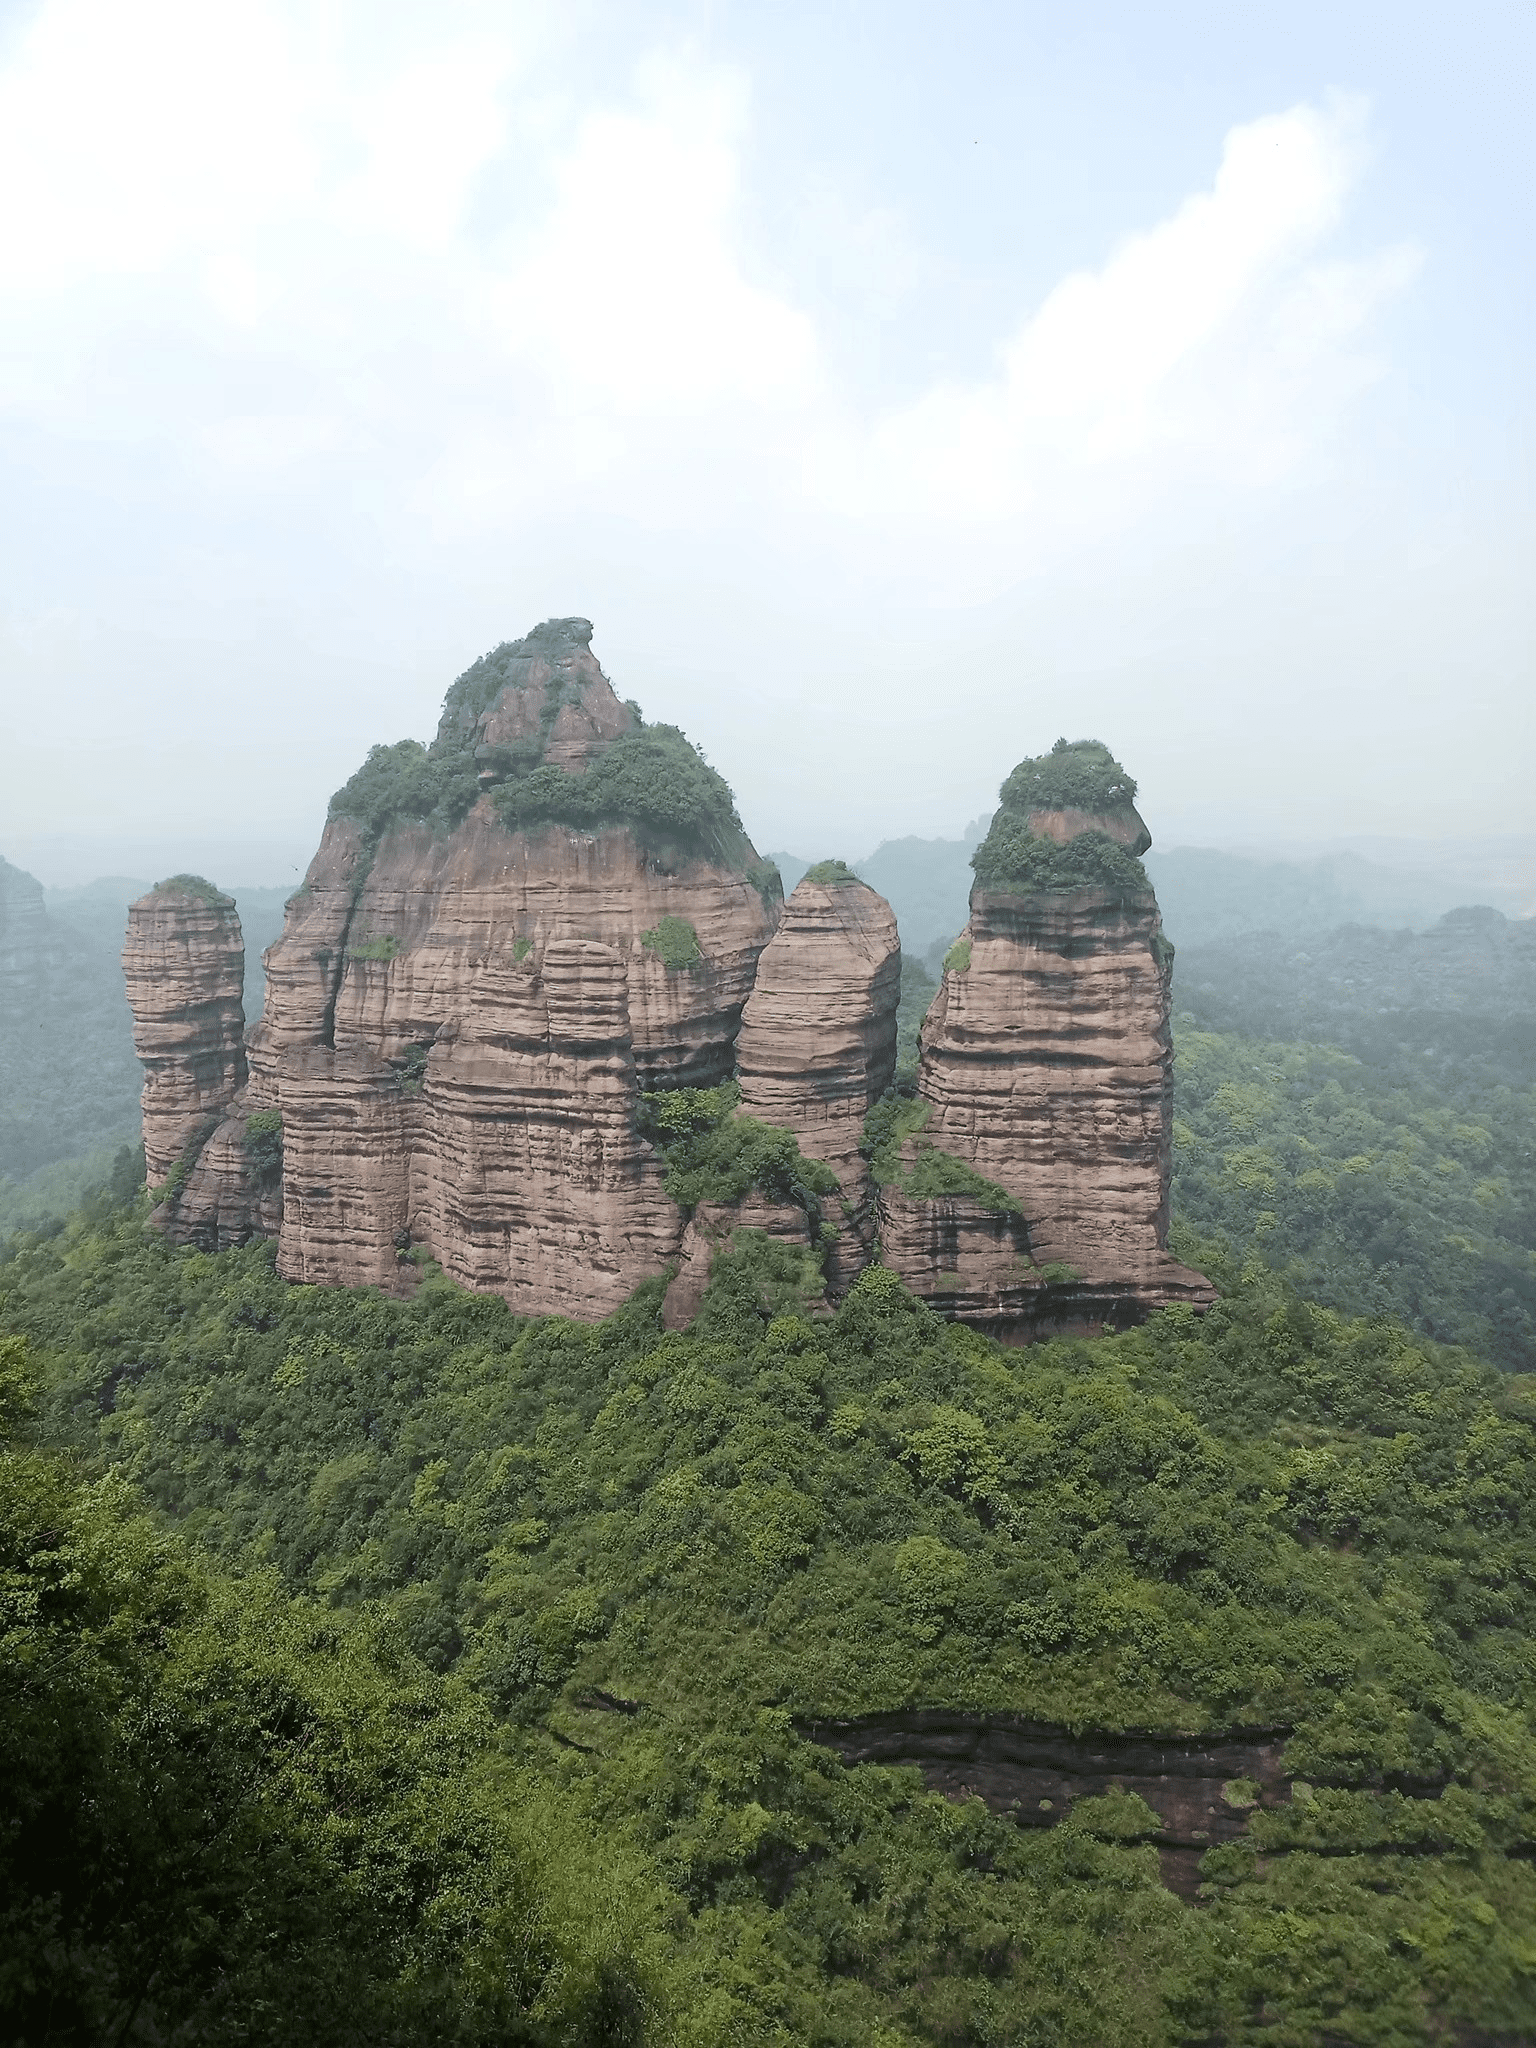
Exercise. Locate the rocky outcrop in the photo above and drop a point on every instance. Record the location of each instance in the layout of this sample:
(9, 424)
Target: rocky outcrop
(232, 1190)
(184, 965)
(818, 1039)
(507, 938)
(460, 1021)
(1046, 1069)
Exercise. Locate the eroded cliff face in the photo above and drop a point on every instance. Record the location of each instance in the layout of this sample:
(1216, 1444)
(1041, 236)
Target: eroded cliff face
(459, 1024)
(505, 939)
(818, 1041)
(1046, 1068)
(184, 965)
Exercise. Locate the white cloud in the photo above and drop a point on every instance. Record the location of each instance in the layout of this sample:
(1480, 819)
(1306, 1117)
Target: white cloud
(1214, 344)
(420, 294)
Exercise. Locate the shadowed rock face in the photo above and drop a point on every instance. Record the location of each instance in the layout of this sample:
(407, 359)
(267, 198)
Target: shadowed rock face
(184, 964)
(818, 1038)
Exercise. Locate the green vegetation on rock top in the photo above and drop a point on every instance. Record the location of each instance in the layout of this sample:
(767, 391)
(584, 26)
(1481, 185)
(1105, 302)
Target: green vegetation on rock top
(1012, 858)
(195, 885)
(1081, 775)
(830, 873)
(1077, 775)
(652, 779)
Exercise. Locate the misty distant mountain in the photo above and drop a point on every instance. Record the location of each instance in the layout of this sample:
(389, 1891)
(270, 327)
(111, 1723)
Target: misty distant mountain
(69, 1080)
(1464, 990)
(1207, 894)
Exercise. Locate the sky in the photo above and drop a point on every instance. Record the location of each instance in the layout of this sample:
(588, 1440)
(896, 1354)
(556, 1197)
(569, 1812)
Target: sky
(895, 387)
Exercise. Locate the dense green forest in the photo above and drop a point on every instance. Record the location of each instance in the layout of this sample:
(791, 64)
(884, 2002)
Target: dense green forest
(495, 1650)
(1400, 1190)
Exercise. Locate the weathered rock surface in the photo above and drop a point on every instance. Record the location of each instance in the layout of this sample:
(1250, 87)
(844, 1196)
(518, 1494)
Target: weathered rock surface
(458, 1026)
(184, 965)
(465, 1006)
(225, 1199)
(818, 1040)
(1047, 1063)
(1045, 1069)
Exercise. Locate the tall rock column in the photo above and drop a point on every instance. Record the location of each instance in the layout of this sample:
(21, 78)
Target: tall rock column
(817, 1047)
(184, 964)
(1046, 1070)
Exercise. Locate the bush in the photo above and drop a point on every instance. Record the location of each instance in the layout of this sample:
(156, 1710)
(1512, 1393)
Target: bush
(656, 781)
(194, 885)
(652, 779)
(263, 1143)
(958, 959)
(1014, 859)
(674, 942)
(831, 874)
(1079, 775)
(715, 1155)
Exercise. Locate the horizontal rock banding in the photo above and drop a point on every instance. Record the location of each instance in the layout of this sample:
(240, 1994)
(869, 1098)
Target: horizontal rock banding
(184, 965)
(818, 1038)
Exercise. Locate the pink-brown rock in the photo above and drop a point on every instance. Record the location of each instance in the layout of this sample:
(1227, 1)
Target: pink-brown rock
(225, 1200)
(818, 1040)
(184, 965)
(1046, 1062)
(459, 1024)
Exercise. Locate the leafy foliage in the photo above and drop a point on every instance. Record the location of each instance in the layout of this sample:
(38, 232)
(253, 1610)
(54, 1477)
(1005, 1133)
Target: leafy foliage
(233, 1816)
(1011, 857)
(830, 874)
(713, 1154)
(958, 959)
(195, 885)
(652, 778)
(655, 780)
(1395, 1191)
(918, 989)
(263, 1143)
(1077, 775)
(1081, 775)
(674, 942)
(663, 1549)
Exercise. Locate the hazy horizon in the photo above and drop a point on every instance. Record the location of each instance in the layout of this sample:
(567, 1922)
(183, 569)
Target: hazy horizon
(892, 401)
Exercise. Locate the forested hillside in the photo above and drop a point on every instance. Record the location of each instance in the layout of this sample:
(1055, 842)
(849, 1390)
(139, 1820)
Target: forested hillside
(676, 1576)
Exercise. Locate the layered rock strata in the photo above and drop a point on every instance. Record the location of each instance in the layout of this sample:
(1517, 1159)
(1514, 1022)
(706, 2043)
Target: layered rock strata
(818, 1041)
(1046, 1068)
(508, 937)
(184, 965)
(459, 1023)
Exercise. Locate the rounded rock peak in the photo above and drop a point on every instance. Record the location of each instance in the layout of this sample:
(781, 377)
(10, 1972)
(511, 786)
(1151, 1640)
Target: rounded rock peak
(830, 874)
(185, 889)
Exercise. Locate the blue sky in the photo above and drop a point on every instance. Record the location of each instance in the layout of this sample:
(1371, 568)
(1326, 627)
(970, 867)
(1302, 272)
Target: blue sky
(895, 387)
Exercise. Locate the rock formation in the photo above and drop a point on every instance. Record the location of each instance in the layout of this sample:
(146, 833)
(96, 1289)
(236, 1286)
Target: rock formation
(184, 964)
(1046, 1069)
(463, 1011)
(818, 1037)
(508, 937)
